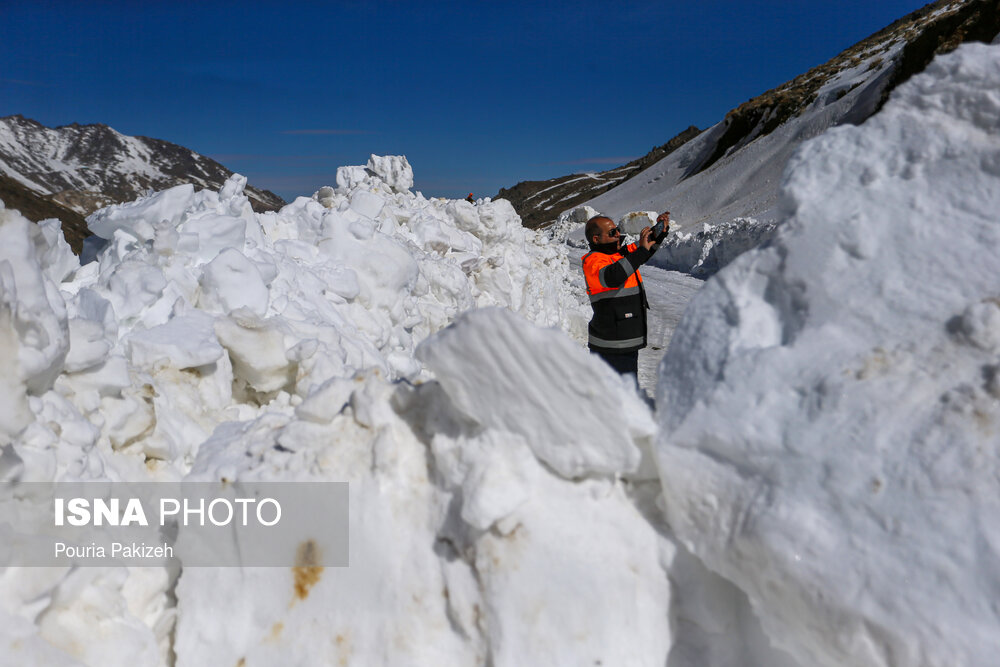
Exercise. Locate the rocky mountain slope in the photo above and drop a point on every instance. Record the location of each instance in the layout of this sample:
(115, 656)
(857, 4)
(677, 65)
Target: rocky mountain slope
(732, 170)
(36, 208)
(539, 202)
(86, 167)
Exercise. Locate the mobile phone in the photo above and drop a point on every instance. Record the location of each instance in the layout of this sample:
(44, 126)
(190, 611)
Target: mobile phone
(658, 229)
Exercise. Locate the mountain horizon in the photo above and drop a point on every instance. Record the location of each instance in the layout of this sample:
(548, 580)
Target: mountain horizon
(732, 169)
(83, 167)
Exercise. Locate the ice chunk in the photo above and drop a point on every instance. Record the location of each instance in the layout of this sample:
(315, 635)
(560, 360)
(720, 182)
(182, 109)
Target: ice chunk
(393, 170)
(581, 214)
(979, 324)
(326, 196)
(349, 178)
(88, 346)
(14, 412)
(133, 286)
(509, 375)
(37, 310)
(106, 379)
(326, 402)
(185, 341)
(231, 281)
(126, 419)
(367, 204)
(232, 199)
(216, 233)
(257, 350)
(54, 254)
(139, 218)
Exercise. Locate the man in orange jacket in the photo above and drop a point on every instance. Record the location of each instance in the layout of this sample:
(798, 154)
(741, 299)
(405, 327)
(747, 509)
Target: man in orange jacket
(618, 329)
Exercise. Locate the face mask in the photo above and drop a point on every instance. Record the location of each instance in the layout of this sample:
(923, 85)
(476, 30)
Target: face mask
(609, 248)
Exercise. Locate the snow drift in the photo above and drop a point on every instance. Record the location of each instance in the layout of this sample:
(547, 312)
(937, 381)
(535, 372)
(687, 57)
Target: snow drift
(830, 442)
(208, 342)
(825, 436)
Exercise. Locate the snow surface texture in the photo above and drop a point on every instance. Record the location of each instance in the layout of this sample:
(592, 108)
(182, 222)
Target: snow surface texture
(209, 342)
(460, 522)
(703, 253)
(830, 442)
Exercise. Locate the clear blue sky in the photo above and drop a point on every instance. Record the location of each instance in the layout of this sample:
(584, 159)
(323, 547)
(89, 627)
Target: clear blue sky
(478, 96)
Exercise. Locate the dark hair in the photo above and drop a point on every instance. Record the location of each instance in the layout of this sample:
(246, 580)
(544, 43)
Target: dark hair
(592, 230)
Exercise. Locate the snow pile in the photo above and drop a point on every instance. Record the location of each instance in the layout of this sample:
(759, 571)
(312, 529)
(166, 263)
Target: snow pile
(561, 231)
(210, 342)
(703, 253)
(830, 442)
(348, 280)
(462, 522)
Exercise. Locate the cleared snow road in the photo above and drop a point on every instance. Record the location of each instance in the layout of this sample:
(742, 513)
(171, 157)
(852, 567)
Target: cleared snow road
(668, 293)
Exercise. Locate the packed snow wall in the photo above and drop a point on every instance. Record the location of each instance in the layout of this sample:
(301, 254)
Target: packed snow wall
(207, 342)
(831, 433)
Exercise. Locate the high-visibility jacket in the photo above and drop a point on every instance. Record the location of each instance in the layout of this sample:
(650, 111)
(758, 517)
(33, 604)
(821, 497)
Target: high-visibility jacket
(614, 285)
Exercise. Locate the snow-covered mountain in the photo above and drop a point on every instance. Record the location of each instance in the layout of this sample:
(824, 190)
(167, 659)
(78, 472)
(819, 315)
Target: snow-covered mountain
(733, 169)
(87, 167)
(540, 202)
(38, 207)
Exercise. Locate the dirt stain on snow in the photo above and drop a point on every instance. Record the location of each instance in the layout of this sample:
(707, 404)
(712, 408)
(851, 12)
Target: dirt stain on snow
(276, 631)
(344, 650)
(306, 571)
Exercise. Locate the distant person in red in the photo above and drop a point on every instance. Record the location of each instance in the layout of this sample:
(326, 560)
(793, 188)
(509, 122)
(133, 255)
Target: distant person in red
(618, 329)
(470, 199)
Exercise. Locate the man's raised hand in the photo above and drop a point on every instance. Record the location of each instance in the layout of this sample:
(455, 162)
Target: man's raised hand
(646, 238)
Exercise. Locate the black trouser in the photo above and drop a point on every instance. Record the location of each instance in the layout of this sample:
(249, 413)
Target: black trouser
(623, 362)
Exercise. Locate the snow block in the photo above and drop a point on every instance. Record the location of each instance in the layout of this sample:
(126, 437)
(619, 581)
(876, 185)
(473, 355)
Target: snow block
(571, 408)
(36, 308)
(831, 443)
(393, 170)
(139, 218)
(231, 281)
(183, 342)
(204, 331)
